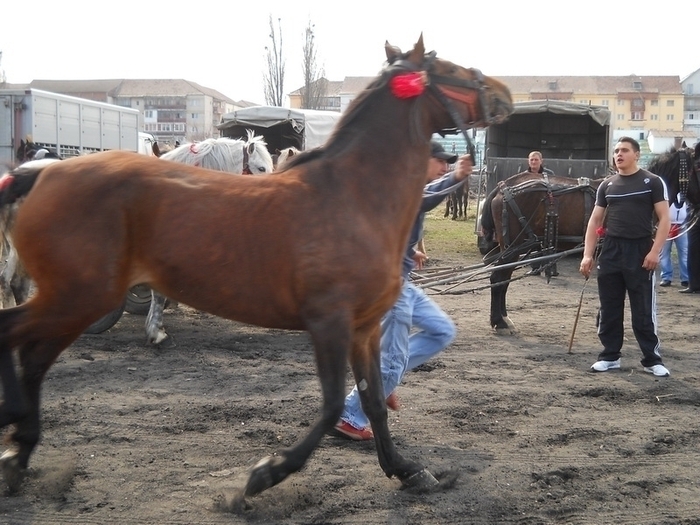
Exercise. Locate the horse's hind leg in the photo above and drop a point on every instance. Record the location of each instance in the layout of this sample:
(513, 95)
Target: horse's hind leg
(38, 345)
(35, 358)
(154, 320)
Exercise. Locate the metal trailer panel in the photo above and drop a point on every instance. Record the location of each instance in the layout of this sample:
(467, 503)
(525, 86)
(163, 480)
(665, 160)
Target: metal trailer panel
(71, 125)
(6, 126)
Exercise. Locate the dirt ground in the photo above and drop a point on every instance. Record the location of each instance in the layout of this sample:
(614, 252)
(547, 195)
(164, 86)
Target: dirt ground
(135, 434)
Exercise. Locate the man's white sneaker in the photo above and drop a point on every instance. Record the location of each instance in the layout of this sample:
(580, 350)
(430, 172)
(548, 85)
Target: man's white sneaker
(604, 366)
(657, 370)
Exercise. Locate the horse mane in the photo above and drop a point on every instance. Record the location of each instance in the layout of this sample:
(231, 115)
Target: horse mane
(252, 138)
(338, 141)
(664, 163)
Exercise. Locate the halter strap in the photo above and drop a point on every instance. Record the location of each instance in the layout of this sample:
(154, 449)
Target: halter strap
(246, 161)
(444, 95)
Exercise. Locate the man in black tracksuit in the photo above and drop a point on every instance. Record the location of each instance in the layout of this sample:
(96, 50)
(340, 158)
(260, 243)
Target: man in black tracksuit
(626, 203)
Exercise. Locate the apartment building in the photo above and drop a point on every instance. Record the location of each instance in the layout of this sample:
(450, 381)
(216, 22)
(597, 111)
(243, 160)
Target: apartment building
(691, 105)
(638, 104)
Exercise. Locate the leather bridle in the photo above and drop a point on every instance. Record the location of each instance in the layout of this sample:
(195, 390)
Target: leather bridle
(439, 87)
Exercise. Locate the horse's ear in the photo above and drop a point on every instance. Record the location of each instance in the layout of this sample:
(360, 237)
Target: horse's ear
(392, 52)
(417, 55)
(251, 148)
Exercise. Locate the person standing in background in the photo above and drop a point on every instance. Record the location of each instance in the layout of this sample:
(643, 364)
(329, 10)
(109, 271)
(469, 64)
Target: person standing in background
(678, 211)
(626, 204)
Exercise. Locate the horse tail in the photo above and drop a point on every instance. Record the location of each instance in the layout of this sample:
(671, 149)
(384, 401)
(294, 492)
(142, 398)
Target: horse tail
(18, 183)
(488, 226)
(487, 241)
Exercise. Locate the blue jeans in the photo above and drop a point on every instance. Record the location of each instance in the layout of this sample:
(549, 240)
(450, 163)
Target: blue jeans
(402, 351)
(666, 262)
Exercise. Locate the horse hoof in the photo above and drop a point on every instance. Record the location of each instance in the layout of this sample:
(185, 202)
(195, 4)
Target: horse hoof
(12, 472)
(233, 505)
(503, 330)
(421, 481)
(260, 477)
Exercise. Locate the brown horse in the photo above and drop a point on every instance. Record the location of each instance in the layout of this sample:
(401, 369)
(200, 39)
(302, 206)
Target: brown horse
(276, 251)
(531, 214)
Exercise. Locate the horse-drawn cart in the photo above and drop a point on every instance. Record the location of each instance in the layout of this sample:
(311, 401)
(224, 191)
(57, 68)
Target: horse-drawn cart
(574, 140)
(533, 219)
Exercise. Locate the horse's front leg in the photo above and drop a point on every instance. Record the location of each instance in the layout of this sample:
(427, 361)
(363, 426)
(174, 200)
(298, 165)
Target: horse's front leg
(154, 320)
(331, 339)
(365, 363)
(499, 313)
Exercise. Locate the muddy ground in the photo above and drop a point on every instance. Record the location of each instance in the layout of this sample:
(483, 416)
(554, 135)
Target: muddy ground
(135, 434)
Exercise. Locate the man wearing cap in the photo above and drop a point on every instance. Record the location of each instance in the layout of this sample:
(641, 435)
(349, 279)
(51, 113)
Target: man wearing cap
(401, 350)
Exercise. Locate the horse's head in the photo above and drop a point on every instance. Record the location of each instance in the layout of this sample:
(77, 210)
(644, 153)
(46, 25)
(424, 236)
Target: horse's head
(285, 155)
(468, 97)
(31, 151)
(257, 159)
(21, 153)
(680, 170)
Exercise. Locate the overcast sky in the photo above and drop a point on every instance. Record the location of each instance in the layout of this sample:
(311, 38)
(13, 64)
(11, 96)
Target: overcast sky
(221, 44)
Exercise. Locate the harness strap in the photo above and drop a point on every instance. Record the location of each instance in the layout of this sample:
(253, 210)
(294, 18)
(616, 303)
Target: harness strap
(509, 202)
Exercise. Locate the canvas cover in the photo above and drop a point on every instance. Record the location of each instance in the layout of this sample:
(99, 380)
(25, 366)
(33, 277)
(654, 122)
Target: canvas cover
(599, 114)
(307, 127)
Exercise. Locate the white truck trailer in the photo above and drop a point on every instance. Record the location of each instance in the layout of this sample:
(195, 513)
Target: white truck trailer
(70, 126)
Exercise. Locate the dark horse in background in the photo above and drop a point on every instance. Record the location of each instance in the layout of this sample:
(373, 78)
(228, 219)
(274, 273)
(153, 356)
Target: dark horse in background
(680, 169)
(457, 202)
(277, 251)
(29, 150)
(529, 215)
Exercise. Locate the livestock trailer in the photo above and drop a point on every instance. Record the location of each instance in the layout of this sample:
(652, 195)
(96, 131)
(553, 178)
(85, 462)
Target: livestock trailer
(69, 125)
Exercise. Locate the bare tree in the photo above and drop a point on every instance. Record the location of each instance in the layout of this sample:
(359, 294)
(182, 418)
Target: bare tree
(274, 76)
(315, 86)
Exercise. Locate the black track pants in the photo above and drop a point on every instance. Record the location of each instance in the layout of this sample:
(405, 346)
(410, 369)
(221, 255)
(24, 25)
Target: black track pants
(620, 273)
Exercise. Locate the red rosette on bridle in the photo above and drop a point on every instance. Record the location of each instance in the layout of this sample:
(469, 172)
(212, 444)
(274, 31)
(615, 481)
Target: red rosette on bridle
(407, 85)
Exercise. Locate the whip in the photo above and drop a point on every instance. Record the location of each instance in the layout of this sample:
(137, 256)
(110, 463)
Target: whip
(578, 313)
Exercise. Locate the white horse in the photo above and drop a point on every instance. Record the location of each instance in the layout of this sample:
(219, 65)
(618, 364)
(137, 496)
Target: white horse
(223, 154)
(285, 155)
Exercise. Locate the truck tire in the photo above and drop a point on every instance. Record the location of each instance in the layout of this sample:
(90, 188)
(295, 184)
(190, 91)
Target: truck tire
(106, 322)
(138, 299)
